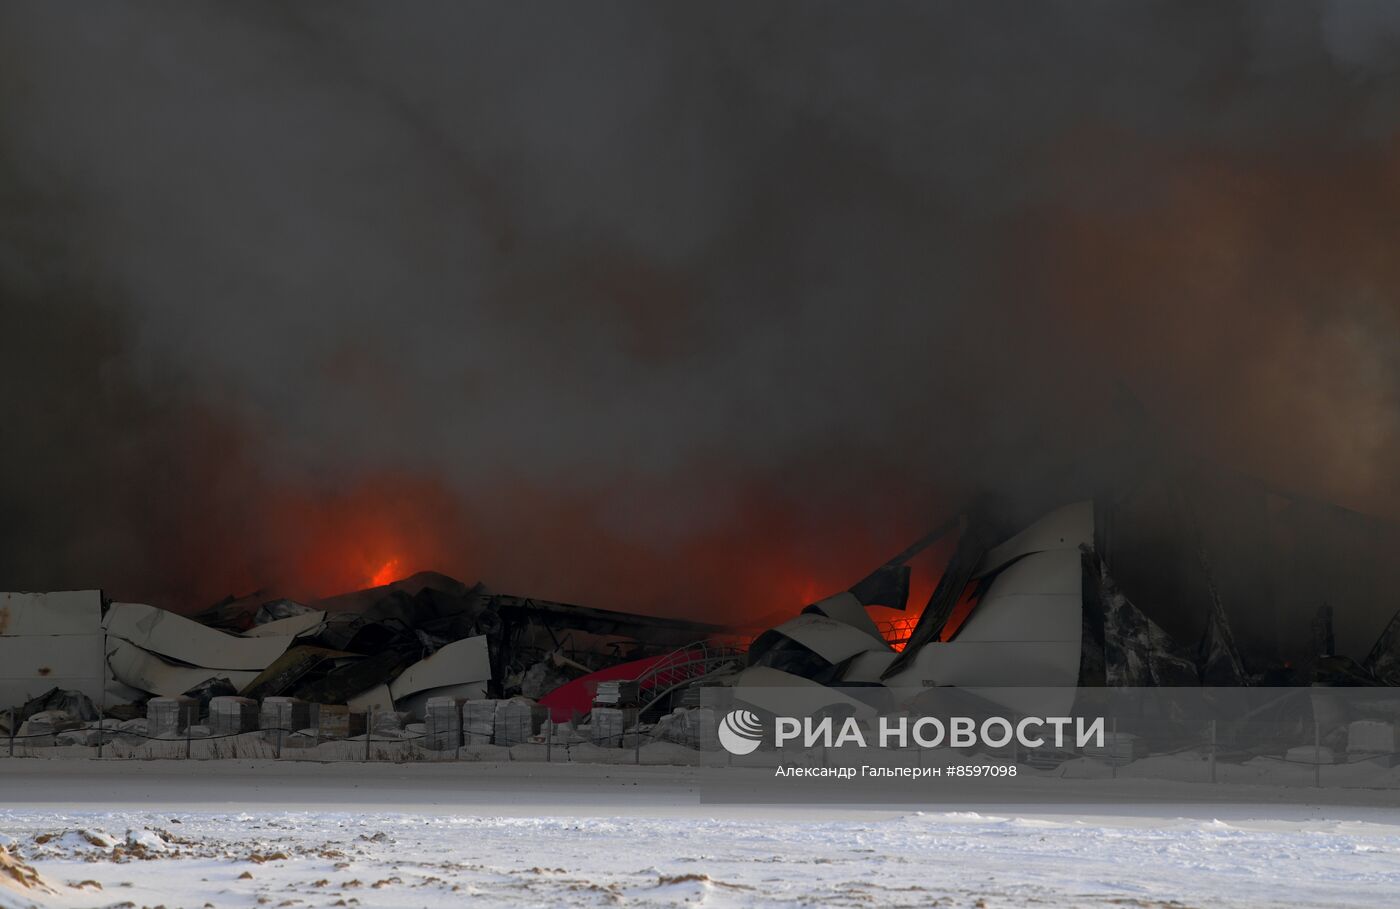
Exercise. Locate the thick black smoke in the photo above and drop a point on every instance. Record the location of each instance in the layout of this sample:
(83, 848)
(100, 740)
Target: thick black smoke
(643, 295)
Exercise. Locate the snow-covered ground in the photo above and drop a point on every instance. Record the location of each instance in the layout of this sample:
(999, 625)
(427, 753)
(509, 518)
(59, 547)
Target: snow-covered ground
(416, 836)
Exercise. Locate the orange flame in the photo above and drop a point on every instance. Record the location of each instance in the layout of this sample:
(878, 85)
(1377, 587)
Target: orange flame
(388, 573)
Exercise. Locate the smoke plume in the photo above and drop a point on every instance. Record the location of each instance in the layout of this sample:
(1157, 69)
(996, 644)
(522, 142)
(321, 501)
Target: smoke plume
(692, 308)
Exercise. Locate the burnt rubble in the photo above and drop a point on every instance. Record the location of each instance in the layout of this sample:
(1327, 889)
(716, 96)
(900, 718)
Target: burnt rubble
(392, 650)
(1152, 585)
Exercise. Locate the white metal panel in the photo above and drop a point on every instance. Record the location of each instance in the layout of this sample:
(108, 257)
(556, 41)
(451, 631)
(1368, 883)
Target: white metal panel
(414, 703)
(461, 661)
(844, 607)
(1038, 598)
(1063, 528)
(148, 672)
(1053, 617)
(66, 655)
(1017, 634)
(376, 696)
(831, 640)
(57, 612)
(31, 665)
(1055, 571)
(188, 641)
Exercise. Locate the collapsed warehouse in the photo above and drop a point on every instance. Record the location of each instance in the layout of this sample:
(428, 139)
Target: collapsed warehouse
(68, 658)
(1191, 577)
(1197, 578)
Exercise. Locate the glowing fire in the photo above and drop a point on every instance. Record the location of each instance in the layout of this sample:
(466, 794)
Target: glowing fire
(388, 573)
(898, 630)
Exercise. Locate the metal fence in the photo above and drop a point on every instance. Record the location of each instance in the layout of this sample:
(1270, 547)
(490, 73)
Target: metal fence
(1344, 738)
(103, 740)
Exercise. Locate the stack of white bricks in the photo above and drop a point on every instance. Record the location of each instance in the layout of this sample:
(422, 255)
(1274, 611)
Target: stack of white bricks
(1373, 740)
(171, 716)
(478, 721)
(701, 729)
(559, 733)
(443, 724)
(289, 714)
(608, 725)
(340, 722)
(388, 724)
(231, 715)
(515, 722)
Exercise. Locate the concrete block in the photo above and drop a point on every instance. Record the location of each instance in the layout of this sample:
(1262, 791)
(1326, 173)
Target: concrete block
(171, 716)
(609, 723)
(1371, 737)
(389, 723)
(517, 721)
(289, 714)
(702, 729)
(232, 715)
(340, 722)
(563, 733)
(442, 721)
(478, 721)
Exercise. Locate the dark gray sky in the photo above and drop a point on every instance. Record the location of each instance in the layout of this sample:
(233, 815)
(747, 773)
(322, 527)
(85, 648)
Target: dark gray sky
(659, 305)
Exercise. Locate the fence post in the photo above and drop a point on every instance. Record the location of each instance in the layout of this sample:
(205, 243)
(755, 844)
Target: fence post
(549, 743)
(102, 710)
(12, 732)
(1212, 751)
(369, 728)
(1317, 754)
(189, 734)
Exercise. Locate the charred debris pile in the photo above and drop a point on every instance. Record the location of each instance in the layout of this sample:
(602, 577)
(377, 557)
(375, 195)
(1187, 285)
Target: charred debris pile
(1178, 575)
(70, 656)
(1189, 577)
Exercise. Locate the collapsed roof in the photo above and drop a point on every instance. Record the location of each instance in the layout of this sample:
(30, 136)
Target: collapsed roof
(1194, 577)
(1185, 576)
(391, 646)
